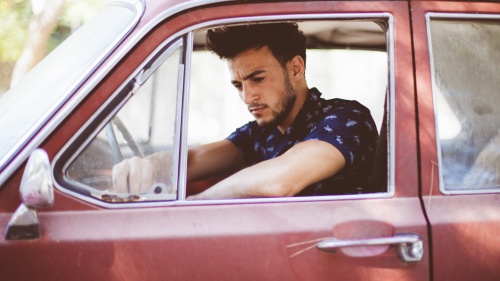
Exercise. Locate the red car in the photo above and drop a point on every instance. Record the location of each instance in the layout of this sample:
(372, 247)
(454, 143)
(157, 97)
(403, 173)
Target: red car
(137, 79)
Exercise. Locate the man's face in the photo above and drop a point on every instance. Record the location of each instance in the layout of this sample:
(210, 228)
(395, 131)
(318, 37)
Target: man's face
(263, 85)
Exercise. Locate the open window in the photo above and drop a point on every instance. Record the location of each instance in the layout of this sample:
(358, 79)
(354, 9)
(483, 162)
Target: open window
(346, 58)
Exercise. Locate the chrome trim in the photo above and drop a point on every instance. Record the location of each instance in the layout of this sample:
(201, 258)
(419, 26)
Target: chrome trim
(458, 16)
(385, 195)
(37, 189)
(492, 190)
(391, 177)
(461, 16)
(181, 191)
(72, 100)
(410, 246)
(294, 17)
(391, 189)
(179, 161)
(434, 101)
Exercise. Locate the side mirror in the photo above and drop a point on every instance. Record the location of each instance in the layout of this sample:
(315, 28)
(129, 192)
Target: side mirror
(36, 191)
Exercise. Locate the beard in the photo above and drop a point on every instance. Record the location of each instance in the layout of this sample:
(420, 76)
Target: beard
(284, 106)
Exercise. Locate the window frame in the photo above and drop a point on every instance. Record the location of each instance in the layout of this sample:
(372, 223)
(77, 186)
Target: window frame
(59, 163)
(77, 144)
(390, 107)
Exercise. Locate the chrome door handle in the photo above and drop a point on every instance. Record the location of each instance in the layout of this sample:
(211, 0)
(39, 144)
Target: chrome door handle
(411, 246)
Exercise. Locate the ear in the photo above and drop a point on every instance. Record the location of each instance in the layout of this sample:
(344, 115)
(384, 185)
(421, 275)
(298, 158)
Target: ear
(296, 68)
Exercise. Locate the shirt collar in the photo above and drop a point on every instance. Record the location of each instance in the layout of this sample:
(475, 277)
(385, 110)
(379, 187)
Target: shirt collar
(307, 115)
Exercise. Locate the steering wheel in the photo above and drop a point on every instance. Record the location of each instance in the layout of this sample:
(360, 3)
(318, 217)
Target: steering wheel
(113, 141)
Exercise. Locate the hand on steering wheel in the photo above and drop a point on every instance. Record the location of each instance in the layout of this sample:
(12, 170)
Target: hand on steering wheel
(113, 141)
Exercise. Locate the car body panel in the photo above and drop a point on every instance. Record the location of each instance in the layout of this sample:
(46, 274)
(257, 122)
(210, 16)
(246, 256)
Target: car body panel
(250, 241)
(267, 239)
(465, 227)
(232, 235)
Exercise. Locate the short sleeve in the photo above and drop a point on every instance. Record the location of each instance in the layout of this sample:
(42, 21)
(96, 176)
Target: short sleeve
(351, 130)
(244, 139)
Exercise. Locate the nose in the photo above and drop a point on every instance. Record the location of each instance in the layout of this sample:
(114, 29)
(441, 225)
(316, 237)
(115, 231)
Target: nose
(249, 94)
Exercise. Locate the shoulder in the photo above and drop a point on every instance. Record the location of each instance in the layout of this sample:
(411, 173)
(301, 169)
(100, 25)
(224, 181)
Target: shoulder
(346, 105)
(249, 129)
(248, 134)
(340, 110)
(345, 119)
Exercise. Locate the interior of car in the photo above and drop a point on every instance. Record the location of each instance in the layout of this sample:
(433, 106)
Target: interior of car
(346, 59)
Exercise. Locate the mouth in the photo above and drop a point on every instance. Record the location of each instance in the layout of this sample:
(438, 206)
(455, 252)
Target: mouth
(256, 109)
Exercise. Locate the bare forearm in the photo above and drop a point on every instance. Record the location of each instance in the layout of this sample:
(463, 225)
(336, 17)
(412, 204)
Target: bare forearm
(243, 184)
(265, 179)
(285, 175)
(212, 159)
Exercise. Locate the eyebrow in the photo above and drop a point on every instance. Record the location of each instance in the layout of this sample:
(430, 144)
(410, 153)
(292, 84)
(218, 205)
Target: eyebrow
(253, 74)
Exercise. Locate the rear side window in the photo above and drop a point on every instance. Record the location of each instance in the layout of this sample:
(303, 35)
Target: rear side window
(465, 59)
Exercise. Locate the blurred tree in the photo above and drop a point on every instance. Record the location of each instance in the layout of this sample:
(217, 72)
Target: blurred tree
(74, 15)
(45, 16)
(15, 16)
(30, 29)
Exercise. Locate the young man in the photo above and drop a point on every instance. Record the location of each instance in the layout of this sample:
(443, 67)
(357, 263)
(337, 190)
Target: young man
(299, 143)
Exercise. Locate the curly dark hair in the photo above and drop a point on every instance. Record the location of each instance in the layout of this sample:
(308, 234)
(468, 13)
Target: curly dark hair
(285, 40)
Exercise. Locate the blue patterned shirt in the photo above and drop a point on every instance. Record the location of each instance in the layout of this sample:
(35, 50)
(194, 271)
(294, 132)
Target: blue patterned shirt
(347, 125)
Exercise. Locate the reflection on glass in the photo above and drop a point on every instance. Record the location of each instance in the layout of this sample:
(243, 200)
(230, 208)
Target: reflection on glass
(466, 60)
(145, 125)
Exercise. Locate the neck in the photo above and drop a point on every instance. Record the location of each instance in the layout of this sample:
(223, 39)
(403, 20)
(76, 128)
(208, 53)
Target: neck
(302, 94)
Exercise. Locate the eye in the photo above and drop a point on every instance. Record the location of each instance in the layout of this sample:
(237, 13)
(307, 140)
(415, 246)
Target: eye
(237, 86)
(258, 79)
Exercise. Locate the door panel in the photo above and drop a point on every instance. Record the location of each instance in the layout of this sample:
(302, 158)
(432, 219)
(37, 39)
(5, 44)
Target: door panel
(460, 195)
(227, 242)
(235, 240)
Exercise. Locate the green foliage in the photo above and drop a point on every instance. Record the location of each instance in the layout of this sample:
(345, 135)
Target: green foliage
(75, 14)
(14, 16)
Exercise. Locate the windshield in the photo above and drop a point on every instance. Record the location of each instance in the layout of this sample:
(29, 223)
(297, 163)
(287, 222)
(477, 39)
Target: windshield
(27, 106)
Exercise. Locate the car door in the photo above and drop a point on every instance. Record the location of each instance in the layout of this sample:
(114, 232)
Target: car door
(92, 235)
(458, 117)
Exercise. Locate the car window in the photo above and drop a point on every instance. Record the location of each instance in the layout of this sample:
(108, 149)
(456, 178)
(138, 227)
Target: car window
(333, 67)
(465, 56)
(49, 84)
(150, 119)
(339, 73)
(145, 124)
